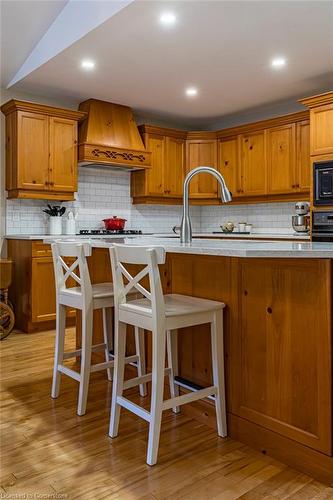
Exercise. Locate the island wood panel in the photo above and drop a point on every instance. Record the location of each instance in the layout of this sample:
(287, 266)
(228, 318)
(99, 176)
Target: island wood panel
(206, 277)
(277, 339)
(281, 364)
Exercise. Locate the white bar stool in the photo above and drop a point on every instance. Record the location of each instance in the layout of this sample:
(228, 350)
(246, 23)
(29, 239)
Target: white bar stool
(162, 315)
(85, 297)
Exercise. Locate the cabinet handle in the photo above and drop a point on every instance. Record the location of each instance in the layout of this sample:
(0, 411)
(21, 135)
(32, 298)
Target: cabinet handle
(226, 163)
(46, 183)
(51, 183)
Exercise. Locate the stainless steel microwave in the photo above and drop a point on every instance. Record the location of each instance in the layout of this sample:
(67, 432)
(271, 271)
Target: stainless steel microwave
(323, 183)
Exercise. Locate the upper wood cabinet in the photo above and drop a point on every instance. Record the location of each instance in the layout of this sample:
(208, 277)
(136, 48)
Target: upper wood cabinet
(228, 163)
(174, 166)
(201, 151)
(321, 130)
(253, 164)
(164, 180)
(41, 151)
(264, 161)
(281, 155)
(303, 168)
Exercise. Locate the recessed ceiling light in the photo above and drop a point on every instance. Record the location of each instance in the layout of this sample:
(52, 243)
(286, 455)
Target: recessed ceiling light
(191, 91)
(168, 19)
(87, 64)
(278, 62)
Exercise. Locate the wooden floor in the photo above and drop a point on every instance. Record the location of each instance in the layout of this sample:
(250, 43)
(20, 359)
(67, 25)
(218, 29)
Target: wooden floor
(49, 452)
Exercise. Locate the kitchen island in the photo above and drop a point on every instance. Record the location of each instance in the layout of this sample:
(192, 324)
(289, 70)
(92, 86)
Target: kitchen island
(278, 338)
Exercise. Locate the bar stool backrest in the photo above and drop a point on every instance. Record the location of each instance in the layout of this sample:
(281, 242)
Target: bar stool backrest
(151, 258)
(77, 270)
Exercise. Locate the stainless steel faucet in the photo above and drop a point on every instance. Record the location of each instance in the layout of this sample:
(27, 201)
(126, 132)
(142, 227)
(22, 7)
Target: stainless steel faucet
(185, 228)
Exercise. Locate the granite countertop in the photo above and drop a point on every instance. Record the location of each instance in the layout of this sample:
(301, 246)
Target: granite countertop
(243, 248)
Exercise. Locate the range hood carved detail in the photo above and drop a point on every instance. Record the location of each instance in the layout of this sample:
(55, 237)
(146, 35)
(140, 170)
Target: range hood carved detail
(109, 137)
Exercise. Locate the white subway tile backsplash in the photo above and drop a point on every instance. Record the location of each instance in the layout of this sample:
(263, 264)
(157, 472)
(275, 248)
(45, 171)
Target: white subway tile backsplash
(104, 194)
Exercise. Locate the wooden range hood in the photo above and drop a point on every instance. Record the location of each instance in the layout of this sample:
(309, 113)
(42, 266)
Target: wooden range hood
(109, 137)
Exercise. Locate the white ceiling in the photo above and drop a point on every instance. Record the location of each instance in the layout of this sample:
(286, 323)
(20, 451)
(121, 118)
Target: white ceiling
(222, 47)
(23, 23)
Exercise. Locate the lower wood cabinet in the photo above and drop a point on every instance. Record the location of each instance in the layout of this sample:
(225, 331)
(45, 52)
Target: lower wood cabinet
(33, 289)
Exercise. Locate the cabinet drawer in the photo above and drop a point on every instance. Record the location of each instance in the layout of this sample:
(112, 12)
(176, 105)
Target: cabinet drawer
(40, 249)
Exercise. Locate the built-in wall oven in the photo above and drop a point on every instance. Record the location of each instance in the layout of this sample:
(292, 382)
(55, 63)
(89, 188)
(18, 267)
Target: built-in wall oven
(323, 183)
(322, 226)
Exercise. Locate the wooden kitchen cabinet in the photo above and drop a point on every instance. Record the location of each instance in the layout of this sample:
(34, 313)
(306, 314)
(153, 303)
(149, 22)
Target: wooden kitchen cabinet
(42, 290)
(41, 151)
(202, 151)
(228, 163)
(174, 166)
(321, 130)
(303, 168)
(164, 180)
(33, 289)
(253, 164)
(286, 349)
(63, 155)
(281, 159)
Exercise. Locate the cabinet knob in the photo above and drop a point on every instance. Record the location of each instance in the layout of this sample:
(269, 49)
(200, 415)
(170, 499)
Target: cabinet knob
(226, 163)
(269, 310)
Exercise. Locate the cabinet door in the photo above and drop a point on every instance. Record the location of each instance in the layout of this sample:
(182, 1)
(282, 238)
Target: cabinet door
(32, 151)
(303, 168)
(154, 178)
(228, 161)
(253, 164)
(63, 154)
(174, 166)
(42, 290)
(287, 350)
(321, 130)
(202, 153)
(281, 158)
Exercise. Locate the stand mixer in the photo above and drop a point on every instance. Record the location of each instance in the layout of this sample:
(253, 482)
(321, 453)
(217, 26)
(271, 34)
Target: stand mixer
(301, 221)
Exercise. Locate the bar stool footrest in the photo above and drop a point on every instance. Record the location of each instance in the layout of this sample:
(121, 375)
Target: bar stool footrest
(132, 382)
(189, 397)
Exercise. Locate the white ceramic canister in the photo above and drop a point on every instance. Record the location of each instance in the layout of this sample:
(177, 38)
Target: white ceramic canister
(55, 225)
(241, 227)
(70, 225)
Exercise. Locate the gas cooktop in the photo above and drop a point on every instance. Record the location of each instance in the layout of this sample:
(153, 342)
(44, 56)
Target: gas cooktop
(91, 232)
